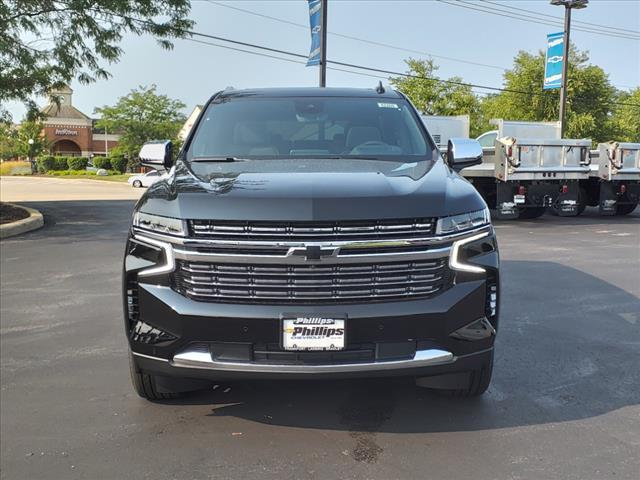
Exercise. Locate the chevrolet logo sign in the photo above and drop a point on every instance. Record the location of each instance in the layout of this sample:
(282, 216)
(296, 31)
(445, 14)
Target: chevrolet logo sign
(313, 252)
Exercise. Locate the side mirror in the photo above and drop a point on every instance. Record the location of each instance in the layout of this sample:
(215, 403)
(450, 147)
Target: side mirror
(157, 154)
(463, 153)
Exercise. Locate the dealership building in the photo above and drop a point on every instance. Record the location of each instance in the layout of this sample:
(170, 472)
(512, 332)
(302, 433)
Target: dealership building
(71, 132)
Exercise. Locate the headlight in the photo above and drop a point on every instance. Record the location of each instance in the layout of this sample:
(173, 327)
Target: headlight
(462, 222)
(156, 223)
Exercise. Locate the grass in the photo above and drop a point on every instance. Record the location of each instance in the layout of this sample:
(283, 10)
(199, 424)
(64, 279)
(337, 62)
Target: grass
(115, 177)
(24, 168)
(15, 168)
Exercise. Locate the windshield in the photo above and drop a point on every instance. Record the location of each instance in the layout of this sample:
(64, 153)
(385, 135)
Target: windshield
(322, 127)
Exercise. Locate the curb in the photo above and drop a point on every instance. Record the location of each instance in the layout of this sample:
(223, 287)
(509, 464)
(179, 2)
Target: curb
(34, 221)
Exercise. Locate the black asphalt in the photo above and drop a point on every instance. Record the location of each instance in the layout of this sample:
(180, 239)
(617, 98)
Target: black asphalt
(564, 402)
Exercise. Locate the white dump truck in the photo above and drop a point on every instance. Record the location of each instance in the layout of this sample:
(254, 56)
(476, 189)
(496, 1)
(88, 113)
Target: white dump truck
(529, 169)
(614, 181)
(443, 128)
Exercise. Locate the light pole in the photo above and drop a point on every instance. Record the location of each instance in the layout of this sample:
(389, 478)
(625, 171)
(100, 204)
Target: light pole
(323, 44)
(31, 141)
(568, 6)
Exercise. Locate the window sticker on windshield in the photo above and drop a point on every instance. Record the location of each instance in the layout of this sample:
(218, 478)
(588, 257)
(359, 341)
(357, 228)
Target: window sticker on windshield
(388, 105)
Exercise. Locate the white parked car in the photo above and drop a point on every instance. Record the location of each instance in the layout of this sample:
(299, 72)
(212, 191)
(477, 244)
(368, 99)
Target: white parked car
(145, 179)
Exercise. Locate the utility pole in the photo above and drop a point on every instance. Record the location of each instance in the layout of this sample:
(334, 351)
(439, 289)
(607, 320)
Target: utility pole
(565, 65)
(568, 6)
(323, 44)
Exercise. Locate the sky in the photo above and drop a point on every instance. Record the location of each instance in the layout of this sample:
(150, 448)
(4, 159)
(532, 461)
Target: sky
(192, 72)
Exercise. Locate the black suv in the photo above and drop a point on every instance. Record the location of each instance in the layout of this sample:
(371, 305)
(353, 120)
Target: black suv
(310, 233)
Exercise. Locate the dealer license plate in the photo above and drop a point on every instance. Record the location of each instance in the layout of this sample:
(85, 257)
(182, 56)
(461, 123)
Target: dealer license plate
(313, 333)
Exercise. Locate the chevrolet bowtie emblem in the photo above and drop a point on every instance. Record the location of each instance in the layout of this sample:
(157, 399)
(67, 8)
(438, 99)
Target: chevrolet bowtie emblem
(313, 252)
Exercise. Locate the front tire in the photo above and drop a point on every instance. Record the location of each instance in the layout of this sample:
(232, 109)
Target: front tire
(625, 209)
(145, 384)
(137, 183)
(479, 381)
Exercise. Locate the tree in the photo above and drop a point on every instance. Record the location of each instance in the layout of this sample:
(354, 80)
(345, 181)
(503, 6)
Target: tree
(142, 115)
(44, 44)
(435, 97)
(8, 144)
(590, 96)
(626, 118)
(14, 140)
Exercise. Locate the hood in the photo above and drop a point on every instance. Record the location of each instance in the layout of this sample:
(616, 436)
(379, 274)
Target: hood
(301, 195)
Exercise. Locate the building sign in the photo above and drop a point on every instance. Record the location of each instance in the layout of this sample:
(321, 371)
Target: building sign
(66, 132)
(554, 60)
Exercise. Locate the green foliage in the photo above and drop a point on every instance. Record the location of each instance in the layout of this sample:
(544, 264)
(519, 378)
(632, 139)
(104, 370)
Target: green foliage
(626, 118)
(14, 140)
(77, 163)
(591, 107)
(45, 163)
(102, 162)
(438, 98)
(60, 163)
(76, 173)
(80, 37)
(590, 96)
(8, 144)
(142, 115)
(118, 162)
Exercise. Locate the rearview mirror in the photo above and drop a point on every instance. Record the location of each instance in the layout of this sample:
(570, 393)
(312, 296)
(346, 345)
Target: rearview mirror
(157, 154)
(463, 153)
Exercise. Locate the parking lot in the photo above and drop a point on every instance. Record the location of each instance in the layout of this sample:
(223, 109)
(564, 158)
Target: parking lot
(564, 401)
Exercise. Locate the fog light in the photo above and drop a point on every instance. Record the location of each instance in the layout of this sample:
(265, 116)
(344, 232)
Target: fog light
(476, 330)
(144, 333)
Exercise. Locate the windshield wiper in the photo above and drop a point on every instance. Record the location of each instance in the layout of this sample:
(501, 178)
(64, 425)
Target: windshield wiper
(219, 159)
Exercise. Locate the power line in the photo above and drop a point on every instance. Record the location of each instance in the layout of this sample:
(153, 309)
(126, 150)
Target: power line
(530, 19)
(370, 75)
(350, 65)
(560, 19)
(374, 69)
(555, 21)
(358, 39)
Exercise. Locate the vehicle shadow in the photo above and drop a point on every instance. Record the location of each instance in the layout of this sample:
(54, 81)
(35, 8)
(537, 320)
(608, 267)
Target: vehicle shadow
(82, 220)
(590, 216)
(567, 349)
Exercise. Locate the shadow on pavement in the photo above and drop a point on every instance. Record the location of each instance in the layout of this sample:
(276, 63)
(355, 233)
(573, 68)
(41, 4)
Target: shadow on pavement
(567, 350)
(82, 220)
(568, 346)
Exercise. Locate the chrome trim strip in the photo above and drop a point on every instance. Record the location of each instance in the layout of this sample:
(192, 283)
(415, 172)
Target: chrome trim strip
(346, 244)
(142, 355)
(203, 360)
(299, 260)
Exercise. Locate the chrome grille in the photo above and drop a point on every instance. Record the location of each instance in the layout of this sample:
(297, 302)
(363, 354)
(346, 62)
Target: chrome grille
(336, 283)
(316, 231)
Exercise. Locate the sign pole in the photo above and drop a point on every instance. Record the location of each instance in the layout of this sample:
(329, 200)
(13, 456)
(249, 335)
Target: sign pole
(323, 45)
(565, 65)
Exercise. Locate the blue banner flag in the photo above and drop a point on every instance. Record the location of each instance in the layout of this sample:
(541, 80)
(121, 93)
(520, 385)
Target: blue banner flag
(554, 60)
(315, 12)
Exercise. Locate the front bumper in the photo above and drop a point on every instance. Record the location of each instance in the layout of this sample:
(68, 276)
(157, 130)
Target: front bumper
(416, 337)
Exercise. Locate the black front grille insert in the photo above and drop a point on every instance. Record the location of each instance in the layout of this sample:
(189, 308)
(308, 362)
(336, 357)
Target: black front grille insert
(316, 231)
(273, 354)
(336, 283)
